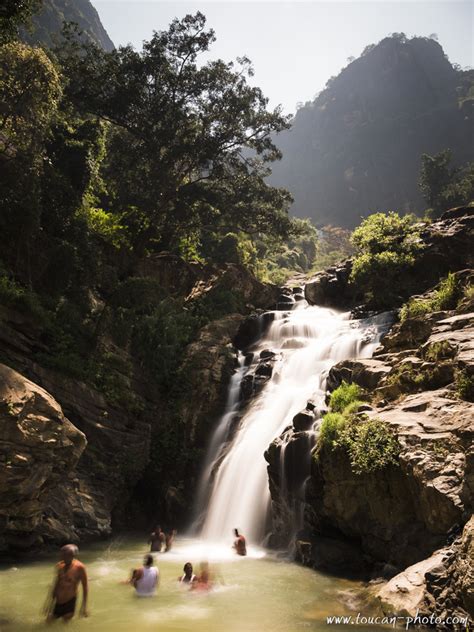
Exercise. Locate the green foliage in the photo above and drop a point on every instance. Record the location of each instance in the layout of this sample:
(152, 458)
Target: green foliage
(178, 128)
(446, 296)
(14, 295)
(13, 15)
(331, 427)
(107, 226)
(370, 444)
(444, 187)
(464, 383)
(216, 304)
(439, 351)
(333, 246)
(343, 396)
(386, 250)
(159, 339)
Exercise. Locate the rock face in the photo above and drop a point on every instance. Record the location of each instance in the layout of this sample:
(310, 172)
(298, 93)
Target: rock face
(40, 449)
(441, 586)
(447, 248)
(404, 513)
(125, 470)
(209, 363)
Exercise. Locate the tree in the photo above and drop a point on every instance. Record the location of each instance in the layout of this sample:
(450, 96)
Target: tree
(30, 90)
(435, 175)
(13, 14)
(188, 141)
(442, 186)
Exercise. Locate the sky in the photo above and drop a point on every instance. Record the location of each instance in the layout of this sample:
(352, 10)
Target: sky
(296, 46)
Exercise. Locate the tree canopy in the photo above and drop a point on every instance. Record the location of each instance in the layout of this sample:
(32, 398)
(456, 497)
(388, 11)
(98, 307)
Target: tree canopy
(188, 141)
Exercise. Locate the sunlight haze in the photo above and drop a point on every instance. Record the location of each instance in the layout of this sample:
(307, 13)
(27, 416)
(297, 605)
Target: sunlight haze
(296, 46)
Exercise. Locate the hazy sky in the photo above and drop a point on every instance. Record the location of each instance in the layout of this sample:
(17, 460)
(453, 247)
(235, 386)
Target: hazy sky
(296, 46)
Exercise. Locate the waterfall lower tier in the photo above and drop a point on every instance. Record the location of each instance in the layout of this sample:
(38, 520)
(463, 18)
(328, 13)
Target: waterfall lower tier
(297, 352)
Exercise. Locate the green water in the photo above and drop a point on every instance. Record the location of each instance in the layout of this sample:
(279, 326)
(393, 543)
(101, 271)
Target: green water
(260, 593)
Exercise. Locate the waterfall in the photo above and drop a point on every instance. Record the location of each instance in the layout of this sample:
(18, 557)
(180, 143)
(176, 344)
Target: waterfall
(307, 342)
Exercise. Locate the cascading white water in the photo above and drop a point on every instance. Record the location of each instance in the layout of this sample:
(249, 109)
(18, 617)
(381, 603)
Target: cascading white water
(308, 341)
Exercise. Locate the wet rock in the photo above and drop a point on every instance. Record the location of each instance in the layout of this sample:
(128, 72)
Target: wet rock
(250, 330)
(367, 373)
(264, 369)
(285, 302)
(303, 421)
(331, 287)
(404, 594)
(332, 555)
(267, 354)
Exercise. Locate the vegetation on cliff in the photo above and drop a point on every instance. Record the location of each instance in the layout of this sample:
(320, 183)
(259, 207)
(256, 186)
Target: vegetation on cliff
(368, 442)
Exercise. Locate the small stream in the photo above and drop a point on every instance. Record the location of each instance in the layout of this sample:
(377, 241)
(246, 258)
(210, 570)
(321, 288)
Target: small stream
(260, 593)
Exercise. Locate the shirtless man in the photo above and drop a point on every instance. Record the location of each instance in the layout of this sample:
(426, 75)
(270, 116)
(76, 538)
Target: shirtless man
(70, 572)
(157, 540)
(240, 545)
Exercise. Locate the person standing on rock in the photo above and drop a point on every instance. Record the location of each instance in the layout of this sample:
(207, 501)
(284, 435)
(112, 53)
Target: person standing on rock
(157, 540)
(240, 545)
(70, 573)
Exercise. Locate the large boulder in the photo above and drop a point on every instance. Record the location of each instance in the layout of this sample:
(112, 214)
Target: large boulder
(439, 587)
(40, 449)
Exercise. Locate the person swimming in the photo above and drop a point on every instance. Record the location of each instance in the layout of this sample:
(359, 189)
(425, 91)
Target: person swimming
(239, 545)
(145, 579)
(70, 573)
(188, 576)
(204, 581)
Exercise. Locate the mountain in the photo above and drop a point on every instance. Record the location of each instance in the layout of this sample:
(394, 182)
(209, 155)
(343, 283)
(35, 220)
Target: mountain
(356, 148)
(48, 22)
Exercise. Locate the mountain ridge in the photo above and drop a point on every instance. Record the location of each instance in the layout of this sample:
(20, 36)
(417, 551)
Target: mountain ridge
(47, 24)
(356, 148)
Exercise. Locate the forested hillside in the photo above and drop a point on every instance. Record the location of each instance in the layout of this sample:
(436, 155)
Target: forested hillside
(356, 148)
(48, 21)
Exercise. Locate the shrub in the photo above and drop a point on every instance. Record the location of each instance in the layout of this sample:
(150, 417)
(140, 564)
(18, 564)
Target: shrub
(386, 249)
(446, 296)
(331, 427)
(439, 351)
(343, 396)
(159, 339)
(465, 385)
(16, 296)
(448, 293)
(370, 444)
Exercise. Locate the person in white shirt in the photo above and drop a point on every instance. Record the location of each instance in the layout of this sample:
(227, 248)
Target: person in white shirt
(145, 579)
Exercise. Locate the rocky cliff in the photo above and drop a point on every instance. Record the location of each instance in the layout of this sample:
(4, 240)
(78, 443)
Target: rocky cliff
(419, 385)
(47, 24)
(356, 149)
(77, 461)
